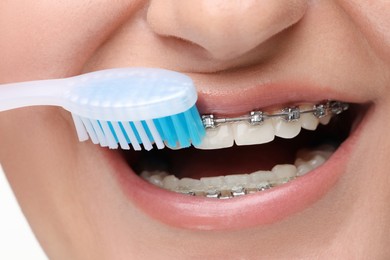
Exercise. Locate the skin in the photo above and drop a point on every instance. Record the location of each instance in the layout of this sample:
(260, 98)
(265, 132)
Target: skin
(73, 205)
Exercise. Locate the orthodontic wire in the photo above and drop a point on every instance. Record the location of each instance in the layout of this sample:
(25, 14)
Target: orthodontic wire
(290, 114)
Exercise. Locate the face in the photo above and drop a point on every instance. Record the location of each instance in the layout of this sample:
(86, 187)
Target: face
(87, 202)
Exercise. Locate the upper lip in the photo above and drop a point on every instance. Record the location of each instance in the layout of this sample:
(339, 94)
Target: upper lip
(235, 98)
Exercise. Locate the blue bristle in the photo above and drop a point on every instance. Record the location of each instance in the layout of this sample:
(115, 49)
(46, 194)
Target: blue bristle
(159, 129)
(135, 132)
(167, 130)
(184, 128)
(181, 130)
(198, 123)
(194, 125)
(150, 136)
(101, 128)
(113, 131)
(124, 133)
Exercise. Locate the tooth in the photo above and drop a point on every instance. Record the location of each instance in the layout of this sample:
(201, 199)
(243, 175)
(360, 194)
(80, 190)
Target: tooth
(191, 184)
(309, 154)
(147, 174)
(317, 161)
(260, 180)
(303, 166)
(237, 180)
(299, 161)
(303, 169)
(176, 147)
(260, 176)
(213, 183)
(170, 182)
(246, 134)
(307, 160)
(219, 137)
(326, 148)
(309, 121)
(156, 180)
(286, 129)
(284, 172)
(325, 120)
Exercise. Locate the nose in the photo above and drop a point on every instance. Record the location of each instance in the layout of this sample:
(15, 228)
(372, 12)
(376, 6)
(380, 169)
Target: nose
(227, 29)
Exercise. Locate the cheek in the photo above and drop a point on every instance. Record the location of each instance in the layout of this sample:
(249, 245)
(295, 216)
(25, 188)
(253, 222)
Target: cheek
(372, 18)
(52, 38)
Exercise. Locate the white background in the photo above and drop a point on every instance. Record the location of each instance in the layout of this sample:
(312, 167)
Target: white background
(16, 239)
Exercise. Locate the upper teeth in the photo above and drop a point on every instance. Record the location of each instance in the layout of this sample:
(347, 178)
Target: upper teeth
(259, 127)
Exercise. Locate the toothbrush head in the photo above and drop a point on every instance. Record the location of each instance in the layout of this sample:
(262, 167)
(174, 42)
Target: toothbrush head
(130, 107)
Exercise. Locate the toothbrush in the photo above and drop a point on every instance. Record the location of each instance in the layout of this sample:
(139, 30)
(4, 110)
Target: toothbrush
(119, 107)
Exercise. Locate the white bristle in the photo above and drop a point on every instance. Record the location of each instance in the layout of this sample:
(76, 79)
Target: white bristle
(90, 130)
(121, 138)
(99, 133)
(144, 137)
(131, 135)
(80, 129)
(112, 143)
(155, 134)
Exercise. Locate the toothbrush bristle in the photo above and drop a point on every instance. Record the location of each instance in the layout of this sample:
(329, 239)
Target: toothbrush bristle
(177, 131)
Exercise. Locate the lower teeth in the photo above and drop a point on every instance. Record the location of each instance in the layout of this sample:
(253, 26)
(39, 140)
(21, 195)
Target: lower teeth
(230, 186)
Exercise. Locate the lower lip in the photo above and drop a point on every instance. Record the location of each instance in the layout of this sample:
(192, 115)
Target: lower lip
(261, 208)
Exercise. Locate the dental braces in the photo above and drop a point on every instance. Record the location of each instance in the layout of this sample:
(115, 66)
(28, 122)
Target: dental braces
(234, 192)
(289, 114)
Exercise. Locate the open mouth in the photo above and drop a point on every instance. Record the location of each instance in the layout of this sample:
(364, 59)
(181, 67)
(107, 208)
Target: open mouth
(257, 173)
(238, 157)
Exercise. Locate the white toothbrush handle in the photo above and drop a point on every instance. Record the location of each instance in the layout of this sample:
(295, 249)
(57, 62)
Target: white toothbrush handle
(32, 93)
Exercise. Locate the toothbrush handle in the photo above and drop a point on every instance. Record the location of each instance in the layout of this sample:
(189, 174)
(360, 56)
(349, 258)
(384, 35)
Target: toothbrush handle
(32, 93)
